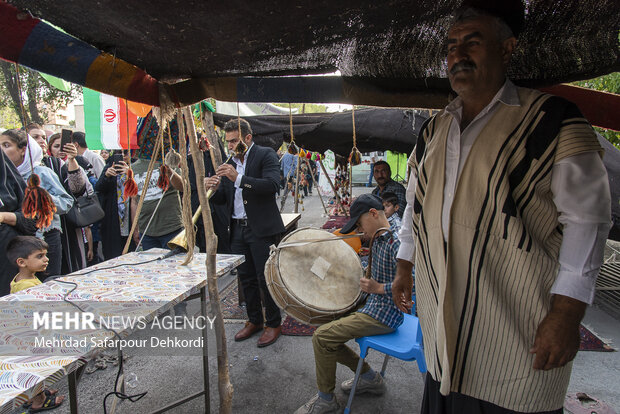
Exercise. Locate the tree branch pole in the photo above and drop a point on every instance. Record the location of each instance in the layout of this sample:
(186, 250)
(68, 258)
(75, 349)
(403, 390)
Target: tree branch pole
(329, 180)
(186, 211)
(147, 180)
(224, 386)
(216, 155)
(297, 185)
(316, 185)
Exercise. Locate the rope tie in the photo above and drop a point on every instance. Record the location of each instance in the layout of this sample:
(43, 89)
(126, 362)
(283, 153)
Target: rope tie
(131, 187)
(355, 158)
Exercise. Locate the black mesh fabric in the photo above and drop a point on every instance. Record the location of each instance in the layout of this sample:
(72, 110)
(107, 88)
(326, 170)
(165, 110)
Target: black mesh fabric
(392, 41)
(376, 129)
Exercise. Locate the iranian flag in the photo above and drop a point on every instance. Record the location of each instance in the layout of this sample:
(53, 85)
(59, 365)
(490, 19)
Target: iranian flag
(110, 122)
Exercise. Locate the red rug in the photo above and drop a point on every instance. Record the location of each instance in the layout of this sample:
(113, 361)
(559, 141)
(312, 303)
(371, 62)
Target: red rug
(591, 342)
(293, 327)
(335, 222)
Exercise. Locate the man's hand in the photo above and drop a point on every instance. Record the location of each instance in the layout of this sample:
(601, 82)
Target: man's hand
(403, 285)
(371, 286)
(557, 337)
(227, 170)
(212, 183)
(90, 255)
(136, 237)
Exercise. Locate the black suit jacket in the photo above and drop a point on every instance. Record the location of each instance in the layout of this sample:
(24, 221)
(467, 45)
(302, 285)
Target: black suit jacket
(259, 185)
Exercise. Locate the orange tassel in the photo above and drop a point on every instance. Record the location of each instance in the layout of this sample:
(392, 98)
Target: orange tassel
(355, 158)
(38, 203)
(131, 188)
(163, 181)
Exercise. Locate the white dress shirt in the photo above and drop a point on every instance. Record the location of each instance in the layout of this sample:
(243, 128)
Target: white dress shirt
(580, 190)
(238, 207)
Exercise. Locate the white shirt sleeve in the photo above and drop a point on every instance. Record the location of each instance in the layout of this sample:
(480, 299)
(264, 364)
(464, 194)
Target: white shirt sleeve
(407, 242)
(581, 194)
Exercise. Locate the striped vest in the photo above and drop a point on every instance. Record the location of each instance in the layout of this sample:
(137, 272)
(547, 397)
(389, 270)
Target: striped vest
(482, 295)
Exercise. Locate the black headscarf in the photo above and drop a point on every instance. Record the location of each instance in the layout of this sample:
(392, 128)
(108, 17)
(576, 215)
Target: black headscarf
(12, 185)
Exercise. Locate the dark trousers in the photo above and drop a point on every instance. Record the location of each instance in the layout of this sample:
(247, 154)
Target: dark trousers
(252, 274)
(54, 253)
(455, 403)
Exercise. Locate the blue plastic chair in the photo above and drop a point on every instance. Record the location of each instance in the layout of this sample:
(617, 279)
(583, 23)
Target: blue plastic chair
(404, 343)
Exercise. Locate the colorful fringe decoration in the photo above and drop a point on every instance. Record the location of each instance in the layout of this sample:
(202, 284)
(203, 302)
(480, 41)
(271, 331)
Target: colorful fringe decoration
(38, 203)
(131, 188)
(163, 181)
(204, 144)
(355, 158)
(292, 149)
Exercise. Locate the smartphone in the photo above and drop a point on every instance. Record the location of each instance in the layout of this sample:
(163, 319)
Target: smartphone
(65, 138)
(117, 158)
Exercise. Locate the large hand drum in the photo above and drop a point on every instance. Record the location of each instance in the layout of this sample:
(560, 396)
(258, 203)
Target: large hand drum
(314, 281)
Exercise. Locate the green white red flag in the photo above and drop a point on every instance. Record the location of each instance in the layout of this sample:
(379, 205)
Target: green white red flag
(109, 122)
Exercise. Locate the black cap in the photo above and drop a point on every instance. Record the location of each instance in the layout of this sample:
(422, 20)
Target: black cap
(361, 205)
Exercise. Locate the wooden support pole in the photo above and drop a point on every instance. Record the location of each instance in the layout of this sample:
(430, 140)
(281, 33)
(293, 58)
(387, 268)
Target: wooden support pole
(224, 386)
(147, 180)
(316, 185)
(297, 186)
(329, 180)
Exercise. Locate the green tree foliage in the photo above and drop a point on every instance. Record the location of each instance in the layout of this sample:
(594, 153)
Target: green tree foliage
(38, 97)
(305, 108)
(607, 83)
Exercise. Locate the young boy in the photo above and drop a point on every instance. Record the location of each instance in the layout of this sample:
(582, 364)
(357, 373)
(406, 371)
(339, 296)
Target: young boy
(390, 206)
(378, 316)
(30, 255)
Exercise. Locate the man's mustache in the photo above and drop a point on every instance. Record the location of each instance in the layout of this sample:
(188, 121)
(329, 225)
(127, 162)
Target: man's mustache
(462, 65)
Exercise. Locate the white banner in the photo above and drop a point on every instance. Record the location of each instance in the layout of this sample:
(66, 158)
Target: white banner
(328, 163)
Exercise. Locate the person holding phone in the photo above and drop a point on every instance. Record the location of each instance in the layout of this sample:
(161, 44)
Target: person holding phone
(79, 139)
(71, 169)
(116, 223)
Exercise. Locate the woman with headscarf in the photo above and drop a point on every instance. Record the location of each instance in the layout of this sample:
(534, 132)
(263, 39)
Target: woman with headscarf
(26, 155)
(116, 223)
(71, 169)
(12, 221)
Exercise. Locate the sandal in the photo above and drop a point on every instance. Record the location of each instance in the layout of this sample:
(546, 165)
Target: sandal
(49, 403)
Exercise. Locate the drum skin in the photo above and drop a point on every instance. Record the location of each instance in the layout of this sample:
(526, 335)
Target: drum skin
(317, 282)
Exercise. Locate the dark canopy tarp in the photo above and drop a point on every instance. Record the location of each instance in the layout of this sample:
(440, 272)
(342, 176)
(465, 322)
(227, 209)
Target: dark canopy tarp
(376, 130)
(394, 45)
(381, 130)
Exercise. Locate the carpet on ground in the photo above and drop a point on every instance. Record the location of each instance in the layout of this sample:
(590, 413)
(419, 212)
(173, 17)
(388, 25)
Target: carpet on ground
(229, 300)
(591, 342)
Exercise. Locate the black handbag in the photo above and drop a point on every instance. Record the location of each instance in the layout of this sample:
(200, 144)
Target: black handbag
(86, 210)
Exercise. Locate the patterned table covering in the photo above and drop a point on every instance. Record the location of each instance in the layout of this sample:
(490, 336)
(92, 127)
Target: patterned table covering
(144, 290)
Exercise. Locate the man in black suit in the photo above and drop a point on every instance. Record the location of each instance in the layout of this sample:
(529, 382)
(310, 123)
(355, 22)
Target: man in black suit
(255, 223)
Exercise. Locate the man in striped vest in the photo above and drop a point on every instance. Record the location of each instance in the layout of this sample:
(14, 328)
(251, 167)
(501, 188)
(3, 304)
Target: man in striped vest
(508, 209)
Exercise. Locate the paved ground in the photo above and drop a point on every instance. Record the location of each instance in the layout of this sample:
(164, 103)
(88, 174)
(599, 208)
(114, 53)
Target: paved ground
(280, 378)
